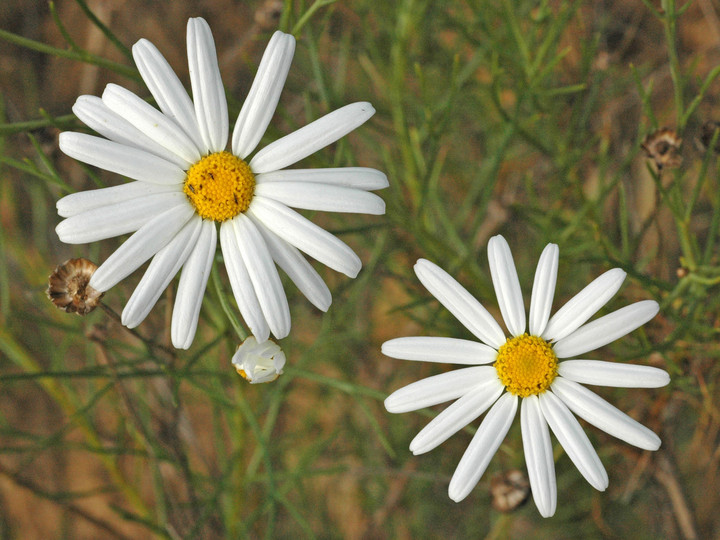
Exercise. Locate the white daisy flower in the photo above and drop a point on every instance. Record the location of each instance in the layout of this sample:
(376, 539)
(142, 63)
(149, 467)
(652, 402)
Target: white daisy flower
(185, 181)
(259, 362)
(526, 366)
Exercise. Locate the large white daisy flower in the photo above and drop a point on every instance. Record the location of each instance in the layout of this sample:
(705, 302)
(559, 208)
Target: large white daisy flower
(185, 181)
(525, 366)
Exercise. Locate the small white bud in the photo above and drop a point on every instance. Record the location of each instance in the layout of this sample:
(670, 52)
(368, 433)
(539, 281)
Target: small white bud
(259, 362)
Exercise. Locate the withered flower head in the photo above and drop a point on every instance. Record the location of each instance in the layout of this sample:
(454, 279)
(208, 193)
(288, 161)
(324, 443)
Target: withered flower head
(509, 490)
(268, 15)
(68, 287)
(663, 147)
(708, 131)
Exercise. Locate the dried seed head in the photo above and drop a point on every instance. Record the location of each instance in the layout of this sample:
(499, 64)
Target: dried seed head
(708, 132)
(68, 287)
(268, 15)
(663, 147)
(509, 490)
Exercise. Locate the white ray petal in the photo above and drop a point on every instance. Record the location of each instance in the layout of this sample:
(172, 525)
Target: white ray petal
(83, 201)
(439, 349)
(151, 122)
(507, 285)
(352, 177)
(120, 218)
(142, 245)
(584, 305)
(263, 275)
(120, 159)
(543, 289)
(324, 197)
(168, 91)
(305, 235)
(571, 436)
(613, 374)
(163, 267)
(311, 138)
(264, 94)
(298, 269)
(98, 116)
(458, 415)
(606, 329)
(207, 88)
(191, 288)
(438, 388)
(460, 303)
(241, 285)
(483, 446)
(598, 412)
(538, 456)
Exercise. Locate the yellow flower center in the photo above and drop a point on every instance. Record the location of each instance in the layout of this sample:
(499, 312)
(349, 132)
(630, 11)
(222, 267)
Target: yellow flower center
(220, 186)
(526, 365)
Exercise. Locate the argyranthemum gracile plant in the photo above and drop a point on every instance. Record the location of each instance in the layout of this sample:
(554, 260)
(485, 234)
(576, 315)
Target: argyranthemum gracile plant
(185, 184)
(534, 369)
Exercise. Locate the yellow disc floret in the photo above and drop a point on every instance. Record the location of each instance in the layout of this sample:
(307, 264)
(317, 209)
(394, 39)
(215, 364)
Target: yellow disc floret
(526, 365)
(220, 186)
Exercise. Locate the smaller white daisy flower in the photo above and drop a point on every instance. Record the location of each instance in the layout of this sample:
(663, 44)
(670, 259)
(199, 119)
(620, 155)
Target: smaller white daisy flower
(525, 366)
(187, 185)
(259, 362)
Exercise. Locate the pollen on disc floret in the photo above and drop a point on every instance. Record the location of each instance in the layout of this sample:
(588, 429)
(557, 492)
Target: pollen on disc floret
(526, 365)
(220, 186)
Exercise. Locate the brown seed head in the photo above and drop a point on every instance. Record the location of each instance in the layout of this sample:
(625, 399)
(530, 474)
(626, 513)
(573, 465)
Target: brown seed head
(708, 132)
(509, 490)
(663, 147)
(68, 287)
(268, 15)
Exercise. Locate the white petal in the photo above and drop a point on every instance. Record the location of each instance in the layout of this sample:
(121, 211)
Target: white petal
(241, 285)
(191, 288)
(168, 91)
(151, 122)
(263, 275)
(83, 201)
(439, 349)
(507, 285)
(543, 289)
(301, 272)
(483, 446)
(438, 388)
(573, 439)
(584, 305)
(120, 159)
(305, 235)
(327, 198)
(142, 245)
(165, 264)
(598, 412)
(538, 456)
(606, 329)
(353, 177)
(460, 303)
(311, 138)
(114, 220)
(95, 114)
(264, 94)
(458, 415)
(613, 374)
(207, 88)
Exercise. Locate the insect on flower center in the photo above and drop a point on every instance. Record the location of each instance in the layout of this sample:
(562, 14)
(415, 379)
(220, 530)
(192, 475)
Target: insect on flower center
(526, 365)
(220, 186)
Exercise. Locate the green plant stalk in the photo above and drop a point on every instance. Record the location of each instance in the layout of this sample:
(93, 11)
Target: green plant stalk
(15, 351)
(81, 56)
